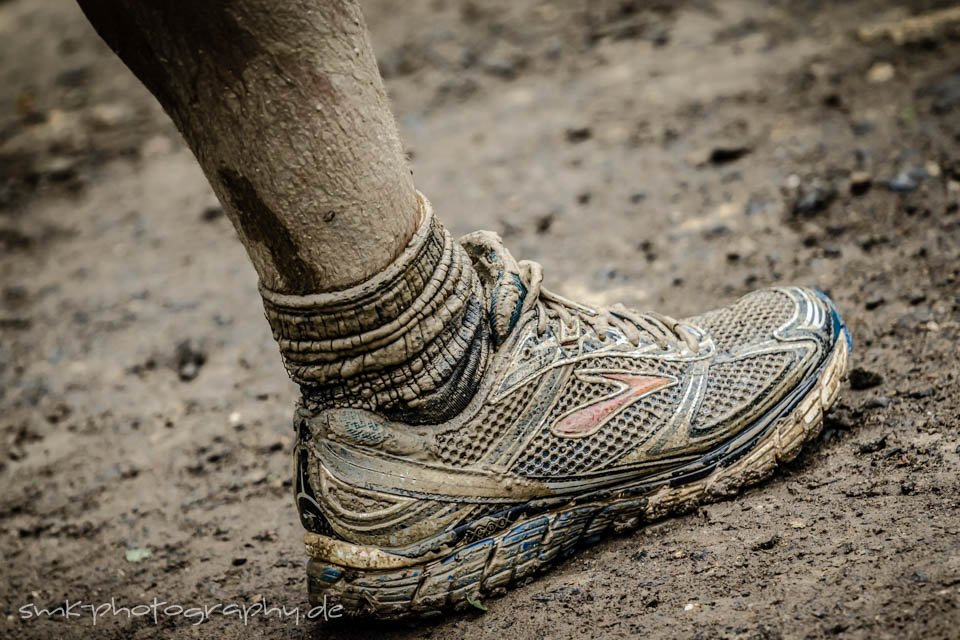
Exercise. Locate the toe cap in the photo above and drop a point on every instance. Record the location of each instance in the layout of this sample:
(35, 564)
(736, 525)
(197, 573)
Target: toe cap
(766, 318)
(767, 344)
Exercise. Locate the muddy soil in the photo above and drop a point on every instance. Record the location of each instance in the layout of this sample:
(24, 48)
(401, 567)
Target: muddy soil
(673, 155)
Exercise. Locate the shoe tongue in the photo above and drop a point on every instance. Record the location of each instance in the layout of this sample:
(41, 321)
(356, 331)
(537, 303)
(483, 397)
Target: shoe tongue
(499, 274)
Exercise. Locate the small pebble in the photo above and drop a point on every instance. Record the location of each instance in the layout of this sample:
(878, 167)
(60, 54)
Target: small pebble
(903, 182)
(189, 359)
(861, 378)
(872, 446)
(578, 134)
(860, 182)
(880, 72)
(767, 543)
(813, 197)
(880, 402)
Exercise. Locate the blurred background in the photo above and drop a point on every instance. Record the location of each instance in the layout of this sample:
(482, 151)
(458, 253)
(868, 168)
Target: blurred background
(670, 155)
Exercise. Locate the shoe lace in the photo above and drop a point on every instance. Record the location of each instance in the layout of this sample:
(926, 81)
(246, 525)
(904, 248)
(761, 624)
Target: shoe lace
(664, 329)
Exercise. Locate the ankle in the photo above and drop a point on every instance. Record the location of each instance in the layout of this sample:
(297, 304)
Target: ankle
(409, 342)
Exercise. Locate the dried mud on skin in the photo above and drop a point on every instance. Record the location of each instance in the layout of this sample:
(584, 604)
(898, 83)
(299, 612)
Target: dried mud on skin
(670, 155)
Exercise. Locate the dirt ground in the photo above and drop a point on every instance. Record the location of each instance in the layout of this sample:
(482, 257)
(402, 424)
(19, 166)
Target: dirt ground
(673, 155)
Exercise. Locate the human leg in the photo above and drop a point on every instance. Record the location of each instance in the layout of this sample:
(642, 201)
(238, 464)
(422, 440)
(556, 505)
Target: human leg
(284, 108)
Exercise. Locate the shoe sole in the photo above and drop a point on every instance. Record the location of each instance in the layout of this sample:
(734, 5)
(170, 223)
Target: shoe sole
(368, 581)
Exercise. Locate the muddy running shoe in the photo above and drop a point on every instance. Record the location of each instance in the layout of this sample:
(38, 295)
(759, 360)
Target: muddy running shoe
(462, 428)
